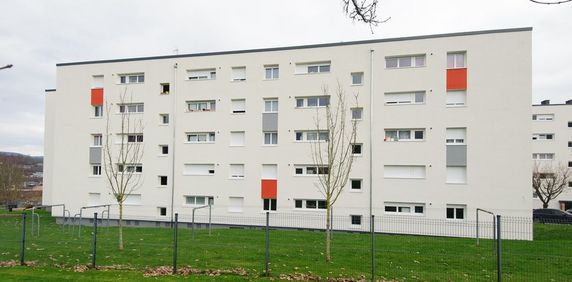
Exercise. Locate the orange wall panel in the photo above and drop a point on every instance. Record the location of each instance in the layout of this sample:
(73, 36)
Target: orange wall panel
(269, 188)
(456, 79)
(97, 96)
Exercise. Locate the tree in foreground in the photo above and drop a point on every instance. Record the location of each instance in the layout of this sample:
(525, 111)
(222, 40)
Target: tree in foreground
(549, 181)
(334, 157)
(11, 181)
(122, 160)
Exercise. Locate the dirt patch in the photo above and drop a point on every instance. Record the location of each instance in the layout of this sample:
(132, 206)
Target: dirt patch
(186, 271)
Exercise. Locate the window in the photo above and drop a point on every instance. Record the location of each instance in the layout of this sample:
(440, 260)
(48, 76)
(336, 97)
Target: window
(271, 72)
(199, 200)
(133, 138)
(237, 171)
(94, 199)
(269, 171)
(310, 170)
(317, 67)
(569, 144)
(312, 102)
(542, 136)
(98, 111)
(202, 74)
(355, 220)
(457, 174)
(199, 169)
(238, 106)
(164, 118)
(415, 61)
(570, 184)
(237, 138)
(165, 88)
(310, 204)
(96, 170)
(456, 212)
(456, 136)
(97, 81)
(543, 117)
(201, 137)
(269, 204)
(404, 171)
(131, 168)
(404, 135)
(163, 180)
(543, 156)
(131, 78)
(356, 149)
(235, 204)
(270, 105)
(404, 208)
(357, 78)
(270, 138)
(162, 211)
(570, 124)
(456, 98)
(405, 98)
(569, 164)
(164, 149)
(201, 106)
(97, 140)
(355, 184)
(357, 113)
(238, 73)
(131, 108)
(456, 60)
(312, 136)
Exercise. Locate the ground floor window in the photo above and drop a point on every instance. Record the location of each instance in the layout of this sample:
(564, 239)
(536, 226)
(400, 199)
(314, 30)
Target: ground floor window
(269, 204)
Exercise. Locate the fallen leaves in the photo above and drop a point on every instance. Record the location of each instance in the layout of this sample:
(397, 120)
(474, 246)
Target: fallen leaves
(186, 271)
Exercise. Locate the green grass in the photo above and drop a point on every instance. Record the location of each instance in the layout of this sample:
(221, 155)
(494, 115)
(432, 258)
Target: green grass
(398, 257)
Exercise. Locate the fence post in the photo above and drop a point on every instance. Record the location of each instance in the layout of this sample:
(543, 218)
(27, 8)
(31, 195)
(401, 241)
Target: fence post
(175, 240)
(267, 258)
(372, 247)
(23, 246)
(499, 249)
(94, 250)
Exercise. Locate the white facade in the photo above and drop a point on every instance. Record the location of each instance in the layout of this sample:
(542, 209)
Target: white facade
(435, 154)
(552, 144)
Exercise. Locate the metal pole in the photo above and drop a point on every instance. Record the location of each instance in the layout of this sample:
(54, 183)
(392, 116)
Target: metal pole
(193, 225)
(477, 227)
(210, 218)
(331, 222)
(267, 244)
(372, 247)
(94, 252)
(79, 226)
(499, 250)
(23, 246)
(494, 233)
(33, 213)
(175, 239)
(371, 107)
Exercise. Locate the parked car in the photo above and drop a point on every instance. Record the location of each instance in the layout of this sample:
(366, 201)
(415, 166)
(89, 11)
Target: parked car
(551, 216)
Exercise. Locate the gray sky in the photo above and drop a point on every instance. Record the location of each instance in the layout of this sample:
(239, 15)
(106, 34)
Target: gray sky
(37, 34)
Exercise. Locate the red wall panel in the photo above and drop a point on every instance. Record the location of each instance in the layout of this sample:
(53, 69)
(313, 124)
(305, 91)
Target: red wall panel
(456, 79)
(97, 96)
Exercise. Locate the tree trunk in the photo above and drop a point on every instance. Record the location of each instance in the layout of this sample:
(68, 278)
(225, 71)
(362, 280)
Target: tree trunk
(545, 205)
(121, 226)
(328, 234)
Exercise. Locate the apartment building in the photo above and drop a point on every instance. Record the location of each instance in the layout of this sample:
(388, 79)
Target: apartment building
(552, 144)
(443, 128)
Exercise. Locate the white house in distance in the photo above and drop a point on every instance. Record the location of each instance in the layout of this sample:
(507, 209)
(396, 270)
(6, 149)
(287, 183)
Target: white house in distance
(446, 131)
(552, 144)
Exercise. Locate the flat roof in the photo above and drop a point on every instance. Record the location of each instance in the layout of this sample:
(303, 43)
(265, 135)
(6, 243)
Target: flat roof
(469, 33)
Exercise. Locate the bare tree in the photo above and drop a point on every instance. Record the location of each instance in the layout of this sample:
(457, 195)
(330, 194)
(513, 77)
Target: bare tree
(122, 160)
(333, 158)
(549, 181)
(363, 11)
(11, 181)
(550, 2)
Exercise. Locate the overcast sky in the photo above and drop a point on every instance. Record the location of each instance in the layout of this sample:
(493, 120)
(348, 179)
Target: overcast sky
(37, 34)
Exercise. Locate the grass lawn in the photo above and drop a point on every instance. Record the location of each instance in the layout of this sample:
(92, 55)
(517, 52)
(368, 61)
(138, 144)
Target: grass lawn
(239, 254)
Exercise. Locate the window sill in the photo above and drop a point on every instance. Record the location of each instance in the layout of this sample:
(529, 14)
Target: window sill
(94, 176)
(131, 83)
(403, 141)
(404, 104)
(404, 214)
(162, 187)
(310, 107)
(308, 210)
(198, 174)
(269, 145)
(270, 79)
(455, 106)
(236, 146)
(361, 84)
(401, 68)
(96, 117)
(200, 111)
(355, 190)
(199, 143)
(162, 155)
(270, 112)
(203, 79)
(236, 178)
(407, 178)
(163, 124)
(313, 73)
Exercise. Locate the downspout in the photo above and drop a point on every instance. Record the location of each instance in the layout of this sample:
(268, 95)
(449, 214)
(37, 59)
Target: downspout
(371, 107)
(174, 140)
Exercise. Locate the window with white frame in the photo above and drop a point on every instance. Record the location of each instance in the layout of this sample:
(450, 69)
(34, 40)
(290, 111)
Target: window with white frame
(269, 204)
(357, 113)
(310, 204)
(269, 171)
(97, 81)
(98, 111)
(130, 168)
(405, 98)
(238, 73)
(404, 135)
(456, 211)
(355, 220)
(456, 98)
(410, 61)
(315, 67)
(202, 74)
(357, 78)
(404, 208)
(271, 105)
(163, 180)
(271, 72)
(543, 136)
(543, 117)
(237, 138)
(404, 171)
(132, 138)
(201, 106)
(97, 140)
(270, 138)
(131, 78)
(164, 118)
(199, 169)
(311, 135)
(456, 60)
(456, 174)
(357, 149)
(235, 204)
(456, 136)
(162, 211)
(543, 156)
(355, 184)
(165, 88)
(200, 137)
(94, 199)
(131, 108)
(310, 170)
(199, 200)
(237, 171)
(238, 106)
(96, 170)
(312, 102)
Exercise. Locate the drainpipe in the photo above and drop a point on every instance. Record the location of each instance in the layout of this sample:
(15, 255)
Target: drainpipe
(371, 107)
